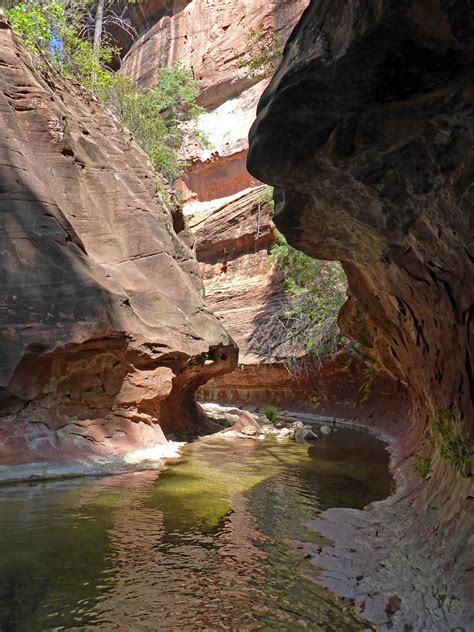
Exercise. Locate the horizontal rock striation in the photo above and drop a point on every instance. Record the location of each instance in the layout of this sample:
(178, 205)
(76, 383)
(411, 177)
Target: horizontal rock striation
(219, 170)
(212, 38)
(104, 333)
(233, 243)
(366, 131)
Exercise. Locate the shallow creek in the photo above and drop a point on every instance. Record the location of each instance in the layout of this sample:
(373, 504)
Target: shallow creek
(214, 542)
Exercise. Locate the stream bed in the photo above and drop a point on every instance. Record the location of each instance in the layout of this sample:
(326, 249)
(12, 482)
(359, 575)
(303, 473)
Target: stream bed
(213, 542)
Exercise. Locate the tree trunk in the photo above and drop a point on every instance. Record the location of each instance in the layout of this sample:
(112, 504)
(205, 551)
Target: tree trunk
(99, 19)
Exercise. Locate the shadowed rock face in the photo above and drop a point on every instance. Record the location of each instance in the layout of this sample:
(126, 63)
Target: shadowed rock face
(367, 132)
(104, 332)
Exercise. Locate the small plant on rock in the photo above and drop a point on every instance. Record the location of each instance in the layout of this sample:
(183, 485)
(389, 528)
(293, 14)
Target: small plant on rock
(423, 466)
(448, 441)
(264, 52)
(271, 413)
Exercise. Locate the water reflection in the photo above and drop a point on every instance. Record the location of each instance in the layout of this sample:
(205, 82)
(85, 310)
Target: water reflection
(207, 545)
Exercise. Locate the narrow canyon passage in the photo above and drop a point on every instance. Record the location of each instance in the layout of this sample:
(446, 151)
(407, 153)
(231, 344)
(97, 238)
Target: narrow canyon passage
(236, 315)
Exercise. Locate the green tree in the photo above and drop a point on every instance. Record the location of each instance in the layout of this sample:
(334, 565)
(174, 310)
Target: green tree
(303, 327)
(264, 52)
(53, 29)
(161, 118)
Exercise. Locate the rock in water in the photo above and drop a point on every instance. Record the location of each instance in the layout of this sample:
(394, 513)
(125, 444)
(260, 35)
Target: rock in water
(302, 435)
(247, 420)
(249, 431)
(105, 334)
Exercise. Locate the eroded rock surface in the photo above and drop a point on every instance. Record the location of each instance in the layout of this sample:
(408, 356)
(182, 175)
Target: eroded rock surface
(105, 335)
(212, 38)
(209, 36)
(242, 282)
(367, 132)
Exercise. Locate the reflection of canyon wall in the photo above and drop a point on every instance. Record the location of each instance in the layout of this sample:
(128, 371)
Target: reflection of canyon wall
(367, 132)
(104, 331)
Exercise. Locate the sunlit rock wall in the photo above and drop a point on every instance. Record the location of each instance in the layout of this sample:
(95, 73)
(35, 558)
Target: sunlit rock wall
(211, 37)
(208, 36)
(104, 333)
(233, 243)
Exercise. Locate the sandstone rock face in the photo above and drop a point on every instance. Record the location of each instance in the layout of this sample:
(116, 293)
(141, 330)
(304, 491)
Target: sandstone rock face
(342, 388)
(371, 148)
(104, 332)
(233, 245)
(367, 132)
(220, 170)
(209, 36)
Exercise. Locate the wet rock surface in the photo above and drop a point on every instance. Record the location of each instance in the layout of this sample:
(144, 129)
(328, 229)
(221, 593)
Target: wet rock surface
(105, 335)
(366, 132)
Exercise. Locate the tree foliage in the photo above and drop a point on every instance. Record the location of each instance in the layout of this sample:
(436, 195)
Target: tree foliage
(264, 52)
(303, 327)
(161, 118)
(53, 28)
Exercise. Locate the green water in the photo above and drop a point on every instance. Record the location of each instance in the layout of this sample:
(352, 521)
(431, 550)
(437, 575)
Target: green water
(209, 544)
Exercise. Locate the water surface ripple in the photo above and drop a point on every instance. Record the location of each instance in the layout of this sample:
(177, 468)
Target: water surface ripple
(209, 544)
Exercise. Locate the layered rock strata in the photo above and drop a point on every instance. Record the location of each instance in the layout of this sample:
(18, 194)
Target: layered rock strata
(242, 283)
(208, 36)
(212, 38)
(105, 335)
(366, 131)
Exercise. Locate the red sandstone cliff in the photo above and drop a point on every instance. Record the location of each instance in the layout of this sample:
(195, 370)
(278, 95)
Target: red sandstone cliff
(211, 37)
(233, 235)
(366, 131)
(104, 335)
(233, 245)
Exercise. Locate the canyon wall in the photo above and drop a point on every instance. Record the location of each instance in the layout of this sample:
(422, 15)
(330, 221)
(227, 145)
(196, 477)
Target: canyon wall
(242, 283)
(105, 335)
(212, 38)
(223, 203)
(366, 131)
(367, 135)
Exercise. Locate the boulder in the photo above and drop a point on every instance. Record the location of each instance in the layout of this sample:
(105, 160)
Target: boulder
(246, 421)
(302, 435)
(249, 431)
